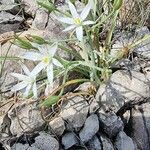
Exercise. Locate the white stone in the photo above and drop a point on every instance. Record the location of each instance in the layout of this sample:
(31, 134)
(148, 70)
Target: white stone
(57, 126)
(74, 111)
(45, 142)
(122, 87)
(90, 128)
(124, 142)
(69, 139)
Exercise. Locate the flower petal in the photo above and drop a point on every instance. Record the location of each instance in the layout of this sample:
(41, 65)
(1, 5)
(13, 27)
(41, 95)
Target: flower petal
(52, 49)
(86, 10)
(69, 28)
(34, 90)
(32, 56)
(36, 45)
(56, 62)
(73, 10)
(25, 69)
(19, 76)
(43, 49)
(66, 20)
(18, 86)
(50, 74)
(79, 33)
(37, 69)
(88, 22)
(28, 88)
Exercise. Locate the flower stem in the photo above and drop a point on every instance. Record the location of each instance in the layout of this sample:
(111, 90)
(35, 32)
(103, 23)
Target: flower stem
(63, 82)
(102, 21)
(84, 53)
(94, 72)
(110, 33)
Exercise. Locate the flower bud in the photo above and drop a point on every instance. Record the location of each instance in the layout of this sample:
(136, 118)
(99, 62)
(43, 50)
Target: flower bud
(23, 43)
(36, 39)
(49, 101)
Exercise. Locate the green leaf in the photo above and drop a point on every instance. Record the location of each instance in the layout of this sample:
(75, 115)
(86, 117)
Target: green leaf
(64, 62)
(47, 5)
(49, 101)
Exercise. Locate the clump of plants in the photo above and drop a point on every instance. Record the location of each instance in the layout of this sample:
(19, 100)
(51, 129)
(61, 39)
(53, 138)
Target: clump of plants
(92, 55)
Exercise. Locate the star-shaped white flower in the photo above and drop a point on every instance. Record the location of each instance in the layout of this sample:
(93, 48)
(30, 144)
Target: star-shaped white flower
(46, 57)
(78, 20)
(28, 81)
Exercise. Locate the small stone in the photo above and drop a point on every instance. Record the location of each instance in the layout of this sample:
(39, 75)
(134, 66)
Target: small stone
(31, 6)
(20, 146)
(110, 124)
(143, 49)
(125, 86)
(94, 106)
(101, 98)
(74, 111)
(40, 19)
(12, 9)
(94, 144)
(122, 87)
(69, 139)
(141, 126)
(29, 118)
(33, 148)
(85, 86)
(106, 143)
(9, 22)
(123, 64)
(7, 2)
(124, 142)
(90, 128)
(58, 126)
(142, 31)
(7, 17)
(45, 142)
(5, 121)
(55, 26)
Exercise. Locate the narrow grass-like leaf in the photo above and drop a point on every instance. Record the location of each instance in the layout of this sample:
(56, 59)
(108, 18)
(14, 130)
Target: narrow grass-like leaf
(2, 58)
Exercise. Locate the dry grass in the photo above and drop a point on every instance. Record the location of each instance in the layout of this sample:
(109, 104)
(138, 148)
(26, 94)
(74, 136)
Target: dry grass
(135, 12)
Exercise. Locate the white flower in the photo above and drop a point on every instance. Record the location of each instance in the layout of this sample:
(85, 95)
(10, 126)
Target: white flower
(77, 21)
(45, 56)
(28, 81)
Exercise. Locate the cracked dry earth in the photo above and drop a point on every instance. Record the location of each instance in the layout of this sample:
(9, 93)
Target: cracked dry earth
(115, 117)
